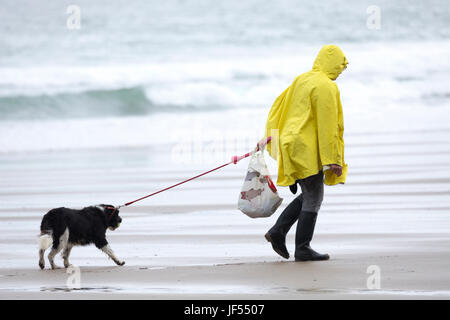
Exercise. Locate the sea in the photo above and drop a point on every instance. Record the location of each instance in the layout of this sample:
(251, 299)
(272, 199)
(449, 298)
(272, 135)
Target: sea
(142, 73)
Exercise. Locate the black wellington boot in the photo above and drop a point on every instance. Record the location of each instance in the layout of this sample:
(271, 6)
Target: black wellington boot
(305, 231)
(277, 234)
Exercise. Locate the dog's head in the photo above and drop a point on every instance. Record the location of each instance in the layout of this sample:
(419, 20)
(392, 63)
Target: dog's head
(112, 216)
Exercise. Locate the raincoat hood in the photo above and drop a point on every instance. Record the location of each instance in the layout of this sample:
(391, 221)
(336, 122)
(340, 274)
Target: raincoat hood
(306, 123)
(331, 61)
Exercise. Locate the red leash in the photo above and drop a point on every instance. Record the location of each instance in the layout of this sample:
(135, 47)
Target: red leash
(234, 160)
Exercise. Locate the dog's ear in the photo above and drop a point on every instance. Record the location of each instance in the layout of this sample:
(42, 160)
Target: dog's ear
(110, 210)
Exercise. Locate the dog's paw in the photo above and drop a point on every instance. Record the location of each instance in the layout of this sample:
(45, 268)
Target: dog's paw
(41, 265)
(120, 263)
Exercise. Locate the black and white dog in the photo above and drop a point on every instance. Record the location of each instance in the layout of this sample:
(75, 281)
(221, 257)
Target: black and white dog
(63, 228)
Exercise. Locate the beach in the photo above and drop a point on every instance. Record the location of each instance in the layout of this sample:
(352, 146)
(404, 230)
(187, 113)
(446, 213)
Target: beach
(140, 97)
(191, 242)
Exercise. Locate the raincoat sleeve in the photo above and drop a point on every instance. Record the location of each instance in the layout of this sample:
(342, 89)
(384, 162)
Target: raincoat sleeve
(325, 103)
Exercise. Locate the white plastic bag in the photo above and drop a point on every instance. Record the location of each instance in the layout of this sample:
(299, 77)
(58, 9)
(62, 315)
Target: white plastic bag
(259, 197)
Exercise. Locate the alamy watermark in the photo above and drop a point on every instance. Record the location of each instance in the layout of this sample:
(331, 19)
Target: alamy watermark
(216, 147)
(74, 279)
(73, 21)
(374, 280)
(373, 21)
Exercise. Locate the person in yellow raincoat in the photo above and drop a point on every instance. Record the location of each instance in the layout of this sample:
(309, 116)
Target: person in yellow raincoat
(306, 124)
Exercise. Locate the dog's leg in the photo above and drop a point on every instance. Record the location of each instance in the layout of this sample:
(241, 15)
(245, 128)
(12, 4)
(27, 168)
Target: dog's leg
(45, 241)
(107, 249)
(41, 259)
(51, 257)
(58, 245)
(66, 254)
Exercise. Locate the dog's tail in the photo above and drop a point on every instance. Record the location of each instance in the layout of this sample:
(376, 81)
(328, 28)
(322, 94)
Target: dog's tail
(45, 241)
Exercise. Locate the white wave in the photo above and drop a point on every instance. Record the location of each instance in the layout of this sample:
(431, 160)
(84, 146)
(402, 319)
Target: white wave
(390, 72)
(245, 125)
(385, 87)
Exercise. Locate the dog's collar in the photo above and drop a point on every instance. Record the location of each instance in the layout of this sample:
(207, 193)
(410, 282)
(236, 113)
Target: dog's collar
(103, 208)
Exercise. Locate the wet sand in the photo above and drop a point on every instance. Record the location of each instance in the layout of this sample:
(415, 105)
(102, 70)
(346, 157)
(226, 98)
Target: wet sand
(192, 243)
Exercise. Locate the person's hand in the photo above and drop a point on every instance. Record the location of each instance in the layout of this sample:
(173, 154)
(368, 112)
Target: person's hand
(260, 144)
(336, 169)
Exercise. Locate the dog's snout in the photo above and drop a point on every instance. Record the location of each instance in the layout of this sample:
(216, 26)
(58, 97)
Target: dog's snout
(120, 219)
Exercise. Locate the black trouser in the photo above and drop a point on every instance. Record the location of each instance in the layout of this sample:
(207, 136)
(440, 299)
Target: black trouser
(309, 200)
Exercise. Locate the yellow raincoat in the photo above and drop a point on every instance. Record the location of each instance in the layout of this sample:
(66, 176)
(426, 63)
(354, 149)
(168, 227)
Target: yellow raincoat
(310, 123)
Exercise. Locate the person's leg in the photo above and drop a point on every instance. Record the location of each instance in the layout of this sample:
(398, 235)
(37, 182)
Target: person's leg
(287, 218)
(277, 234)
(312, 190)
